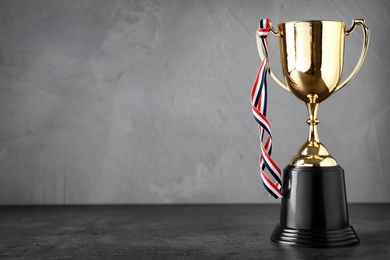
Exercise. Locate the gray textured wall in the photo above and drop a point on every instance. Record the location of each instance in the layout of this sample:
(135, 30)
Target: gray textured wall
(148, 101)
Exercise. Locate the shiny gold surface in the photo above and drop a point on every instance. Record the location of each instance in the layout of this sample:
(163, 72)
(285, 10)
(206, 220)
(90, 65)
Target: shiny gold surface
(312, 54)
(313, 152)
(312, 57)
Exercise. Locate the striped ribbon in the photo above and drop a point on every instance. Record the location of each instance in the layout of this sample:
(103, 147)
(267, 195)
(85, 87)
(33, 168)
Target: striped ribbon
(259, 109)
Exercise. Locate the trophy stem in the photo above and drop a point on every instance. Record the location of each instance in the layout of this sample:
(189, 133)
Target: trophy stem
(313, 152)
(313, 121)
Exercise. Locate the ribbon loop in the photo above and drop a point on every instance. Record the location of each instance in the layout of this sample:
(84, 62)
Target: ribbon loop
(259, 109)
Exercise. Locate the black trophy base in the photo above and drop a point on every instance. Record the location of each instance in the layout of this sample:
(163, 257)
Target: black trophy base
(315, 238)
(314, 209)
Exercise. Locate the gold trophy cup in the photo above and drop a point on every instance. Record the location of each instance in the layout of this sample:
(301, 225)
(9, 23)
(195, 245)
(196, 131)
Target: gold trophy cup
(314, 207)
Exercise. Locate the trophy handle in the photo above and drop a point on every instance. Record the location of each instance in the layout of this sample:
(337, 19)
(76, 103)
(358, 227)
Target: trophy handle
(261, 53)
(366, 35)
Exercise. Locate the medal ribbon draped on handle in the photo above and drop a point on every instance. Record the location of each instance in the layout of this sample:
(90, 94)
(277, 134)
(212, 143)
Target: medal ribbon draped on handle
(259, 109)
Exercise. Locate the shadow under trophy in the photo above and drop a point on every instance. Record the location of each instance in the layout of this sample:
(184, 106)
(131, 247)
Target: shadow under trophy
(314, 209)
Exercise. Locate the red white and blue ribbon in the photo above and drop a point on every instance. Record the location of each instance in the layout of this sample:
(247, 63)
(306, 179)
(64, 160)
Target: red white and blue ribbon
(259, 109)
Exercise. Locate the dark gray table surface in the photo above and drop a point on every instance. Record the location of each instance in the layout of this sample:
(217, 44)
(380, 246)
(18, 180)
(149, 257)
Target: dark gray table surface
(173, 232)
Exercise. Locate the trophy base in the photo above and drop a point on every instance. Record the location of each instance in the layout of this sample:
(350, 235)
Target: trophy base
(315, 238)
(314, 209)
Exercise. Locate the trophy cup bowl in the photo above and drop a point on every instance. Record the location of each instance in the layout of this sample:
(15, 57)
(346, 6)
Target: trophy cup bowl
(314, 207)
